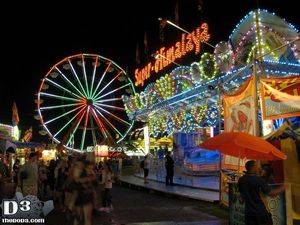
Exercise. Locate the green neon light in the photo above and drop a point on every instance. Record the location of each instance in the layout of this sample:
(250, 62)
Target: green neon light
(109, 123)
(117, 89)
(68, 123)
(104, 73)
(85, 78)
(64, 114)
(76, 76)
(69, 82)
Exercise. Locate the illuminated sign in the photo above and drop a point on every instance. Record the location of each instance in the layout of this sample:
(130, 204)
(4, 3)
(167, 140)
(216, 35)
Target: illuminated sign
(6, 131)
(165, 56)
(101, 150)
(16, 133)
(90, 148)
(118, 149)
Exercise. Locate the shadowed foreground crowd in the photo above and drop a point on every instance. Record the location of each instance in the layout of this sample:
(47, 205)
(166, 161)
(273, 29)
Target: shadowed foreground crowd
(78, 187)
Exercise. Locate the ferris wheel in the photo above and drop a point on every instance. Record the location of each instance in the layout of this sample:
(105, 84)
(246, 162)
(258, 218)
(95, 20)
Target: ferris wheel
(80, 102)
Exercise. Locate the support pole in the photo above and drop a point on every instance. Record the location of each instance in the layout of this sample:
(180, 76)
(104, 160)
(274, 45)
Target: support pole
(220, 154)
(255, 80)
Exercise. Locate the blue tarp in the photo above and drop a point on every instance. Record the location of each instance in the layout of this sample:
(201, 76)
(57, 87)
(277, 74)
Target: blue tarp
(27, 144)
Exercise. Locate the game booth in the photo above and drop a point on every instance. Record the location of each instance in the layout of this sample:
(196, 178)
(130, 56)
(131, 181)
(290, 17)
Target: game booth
(250, 84)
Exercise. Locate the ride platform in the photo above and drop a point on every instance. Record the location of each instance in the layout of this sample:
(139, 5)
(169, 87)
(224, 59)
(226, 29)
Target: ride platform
(179, 191)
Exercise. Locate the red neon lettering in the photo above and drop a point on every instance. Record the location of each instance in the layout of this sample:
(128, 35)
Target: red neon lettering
(188, 43)
(183, 51)
(178, 51)
(171, 54)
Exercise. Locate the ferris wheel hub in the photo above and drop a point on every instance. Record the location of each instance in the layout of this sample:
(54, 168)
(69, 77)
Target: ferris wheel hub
(89, 102)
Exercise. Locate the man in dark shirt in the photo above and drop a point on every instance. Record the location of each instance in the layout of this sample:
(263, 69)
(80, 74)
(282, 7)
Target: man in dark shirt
(169, 164)
(250, 187)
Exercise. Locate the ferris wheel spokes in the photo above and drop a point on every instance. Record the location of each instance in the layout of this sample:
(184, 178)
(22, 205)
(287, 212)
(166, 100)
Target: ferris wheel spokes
(75, 129)
(110, 106)
(109, 100)
(113, 115)
(99, 124)
(93, 77)
(84, 128)
(113, 91)
(112, 80)
(109, 123)
(64, 114)
(61, 87)
(76, 115)
(60, 97)
(101, 79)
(76, 76)
(68, 81)
(58, 106)
(84, 74)
(93, 131)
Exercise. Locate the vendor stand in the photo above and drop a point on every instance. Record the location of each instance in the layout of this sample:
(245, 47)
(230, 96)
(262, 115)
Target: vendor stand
(244, 145)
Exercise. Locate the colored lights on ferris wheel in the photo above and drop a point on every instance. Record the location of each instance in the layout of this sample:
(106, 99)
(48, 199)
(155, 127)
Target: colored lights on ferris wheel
(37, 117)
(121, 78)
(43, 132)
(79, 110)
(67, 67)
(45, 86)
(96, 63)
(54, 74)
(36, 101)
(129, 91)
(111, 69)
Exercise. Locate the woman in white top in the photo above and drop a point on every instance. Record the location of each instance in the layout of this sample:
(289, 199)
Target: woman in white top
(107, 180)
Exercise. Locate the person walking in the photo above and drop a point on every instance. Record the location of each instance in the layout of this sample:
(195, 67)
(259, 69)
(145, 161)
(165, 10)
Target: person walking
(251, 187)
(28, 176)
(51, 177)
(60, 183)
(169, 164)
(145, 165)
(16, 168)
(107, 180)
(84, 189)
(42, 180)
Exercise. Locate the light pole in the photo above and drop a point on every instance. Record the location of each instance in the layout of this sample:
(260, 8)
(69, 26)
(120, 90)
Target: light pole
(185, 31)
(157, 56)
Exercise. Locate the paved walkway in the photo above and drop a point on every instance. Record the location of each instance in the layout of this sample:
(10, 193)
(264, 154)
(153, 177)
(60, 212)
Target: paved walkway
(204, 182)
(187, 192)
(211, 222)
(137, 207)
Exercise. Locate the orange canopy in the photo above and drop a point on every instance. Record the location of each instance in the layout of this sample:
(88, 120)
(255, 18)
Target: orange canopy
(243, 145)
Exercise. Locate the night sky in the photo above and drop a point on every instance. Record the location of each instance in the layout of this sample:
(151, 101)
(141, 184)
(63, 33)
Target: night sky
(33, 38)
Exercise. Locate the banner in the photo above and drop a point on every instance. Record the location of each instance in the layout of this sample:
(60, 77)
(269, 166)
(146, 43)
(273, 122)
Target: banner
(280, 97)
(239, 110)
(15, 115)
(239, 116)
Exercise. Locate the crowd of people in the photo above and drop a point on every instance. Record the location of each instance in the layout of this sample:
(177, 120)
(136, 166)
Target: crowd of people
(78, 187)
